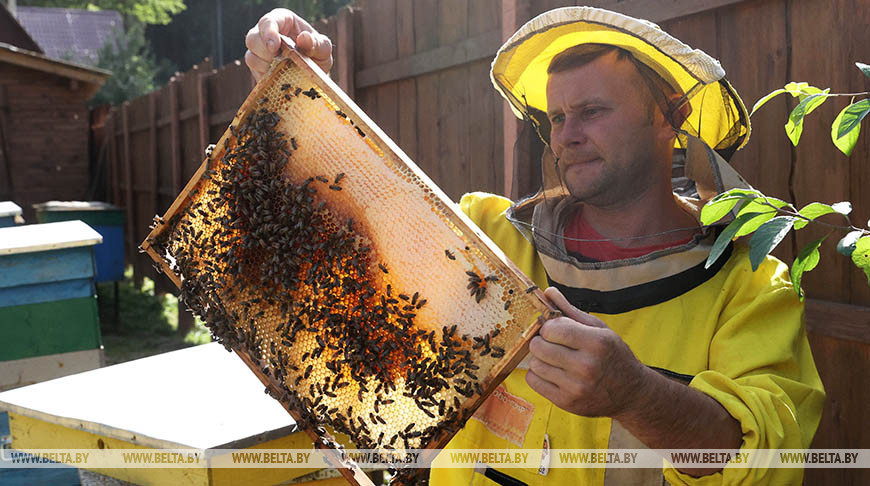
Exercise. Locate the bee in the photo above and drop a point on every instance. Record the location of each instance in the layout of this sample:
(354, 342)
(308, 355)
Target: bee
(531, 289)
(383, 268)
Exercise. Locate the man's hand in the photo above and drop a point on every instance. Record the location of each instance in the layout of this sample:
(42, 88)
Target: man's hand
(582, 366)
(262, 41)
(585, 368)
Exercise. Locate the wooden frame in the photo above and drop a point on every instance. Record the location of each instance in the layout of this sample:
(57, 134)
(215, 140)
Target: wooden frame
(502, 367)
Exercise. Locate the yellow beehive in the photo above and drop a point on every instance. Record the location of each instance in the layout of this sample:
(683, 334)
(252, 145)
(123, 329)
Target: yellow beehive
(347, 281)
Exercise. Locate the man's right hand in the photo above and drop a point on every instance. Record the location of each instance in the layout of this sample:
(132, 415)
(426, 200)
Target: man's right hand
(262, 41)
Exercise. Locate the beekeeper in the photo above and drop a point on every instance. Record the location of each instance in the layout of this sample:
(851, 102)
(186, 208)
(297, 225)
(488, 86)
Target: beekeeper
(671, 355)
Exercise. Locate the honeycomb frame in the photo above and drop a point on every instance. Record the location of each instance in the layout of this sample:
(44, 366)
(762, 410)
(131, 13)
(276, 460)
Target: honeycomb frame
(225, 212)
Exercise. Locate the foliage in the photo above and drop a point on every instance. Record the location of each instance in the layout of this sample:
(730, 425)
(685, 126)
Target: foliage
(147, 321)
(146, 11)
(769, 219)
(133, 67)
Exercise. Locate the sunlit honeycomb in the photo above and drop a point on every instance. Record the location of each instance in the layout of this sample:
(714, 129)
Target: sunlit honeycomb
(309, 246)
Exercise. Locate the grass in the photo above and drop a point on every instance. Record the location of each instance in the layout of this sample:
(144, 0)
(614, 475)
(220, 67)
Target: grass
(147, 322)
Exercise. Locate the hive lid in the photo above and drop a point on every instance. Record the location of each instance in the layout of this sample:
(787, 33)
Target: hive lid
(349, 283)
(48, 236)
(9, 208)
(75, 206)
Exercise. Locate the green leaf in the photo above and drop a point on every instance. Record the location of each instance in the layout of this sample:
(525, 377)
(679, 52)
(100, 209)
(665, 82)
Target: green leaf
(847, 141)
(795, 89)
(739, 193)
(766, 98)
(812, 211)
(722, 204)
(764, 213)
(852, 116)
(861, 255)
(806, 260)
(766, 237)
(846, 245)
(794, 127)
(864, 68)
(714, 211)
(726, 236)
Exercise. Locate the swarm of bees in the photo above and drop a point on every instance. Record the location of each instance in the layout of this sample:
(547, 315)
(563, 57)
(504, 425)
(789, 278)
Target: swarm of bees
(255, 247)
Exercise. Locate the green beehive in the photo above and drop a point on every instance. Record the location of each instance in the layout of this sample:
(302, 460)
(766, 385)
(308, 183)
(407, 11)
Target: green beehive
(48, 307)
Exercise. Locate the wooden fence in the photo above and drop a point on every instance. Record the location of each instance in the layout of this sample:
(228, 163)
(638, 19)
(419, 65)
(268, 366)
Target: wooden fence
(420, 70)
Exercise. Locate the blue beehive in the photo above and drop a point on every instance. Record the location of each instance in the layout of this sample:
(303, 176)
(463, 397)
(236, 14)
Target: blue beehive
(106, 219)
(8, 212)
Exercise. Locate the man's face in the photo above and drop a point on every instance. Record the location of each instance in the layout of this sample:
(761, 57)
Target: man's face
(606, 132)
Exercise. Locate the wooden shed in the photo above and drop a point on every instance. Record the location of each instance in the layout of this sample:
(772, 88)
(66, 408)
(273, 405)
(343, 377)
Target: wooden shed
(44, 123)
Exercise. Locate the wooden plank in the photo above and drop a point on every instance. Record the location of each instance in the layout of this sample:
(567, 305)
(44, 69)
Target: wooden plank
(821, 171)
(454, 104)
(841, 321)
(202, 109)
(699, 31)
(48, 292)
(486, 154)
(221, 119)
(54, 327)
(174, 136)
(154, 179)
(114, 180)
(368, 17)
(483, 46)
(28, 371)
(485, 147)
(842, 365)
(386, 49)
(514, 14)
(344, 68)
(428, 131)
(40, 265)
(407, 88)
(855, 30)
(128, 181)
(661, 10)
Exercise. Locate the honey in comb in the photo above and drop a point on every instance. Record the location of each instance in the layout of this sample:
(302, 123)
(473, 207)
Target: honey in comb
(267, 252)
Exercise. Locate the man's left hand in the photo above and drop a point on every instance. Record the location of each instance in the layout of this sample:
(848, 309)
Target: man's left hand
(582, 366)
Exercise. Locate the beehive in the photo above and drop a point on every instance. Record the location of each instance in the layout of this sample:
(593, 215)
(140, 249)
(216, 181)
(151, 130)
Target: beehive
(349, 283)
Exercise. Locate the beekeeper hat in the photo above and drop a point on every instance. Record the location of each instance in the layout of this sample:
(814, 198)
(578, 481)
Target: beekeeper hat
(519, 70)
(716, 125)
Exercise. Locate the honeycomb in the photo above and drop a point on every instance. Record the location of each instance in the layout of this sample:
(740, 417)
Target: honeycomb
(347, 281)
